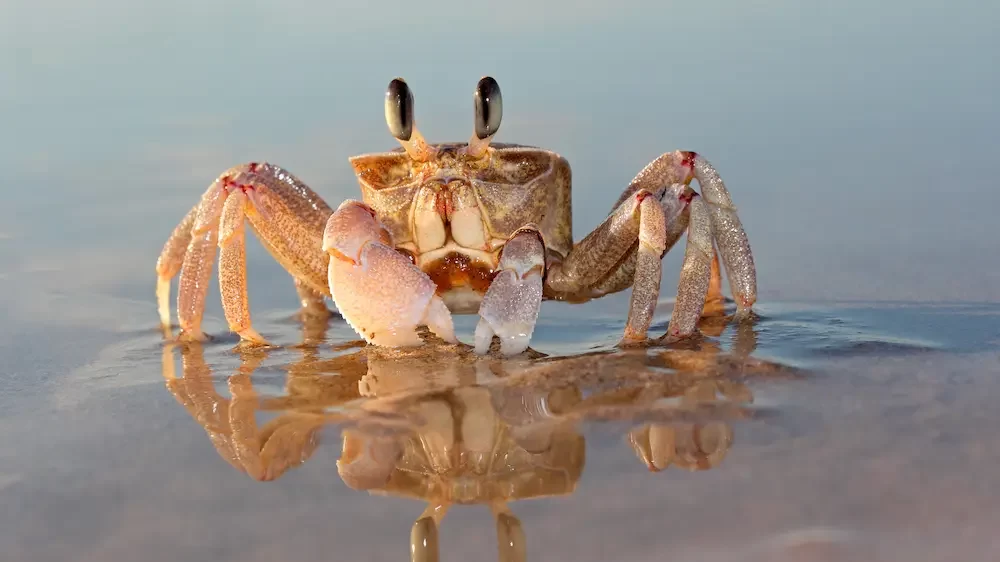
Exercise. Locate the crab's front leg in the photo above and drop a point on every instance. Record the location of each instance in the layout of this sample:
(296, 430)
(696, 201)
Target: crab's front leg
(379, 292)
(510, 307)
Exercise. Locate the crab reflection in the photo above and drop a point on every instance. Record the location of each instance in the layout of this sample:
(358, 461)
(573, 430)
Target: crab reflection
(445, 426)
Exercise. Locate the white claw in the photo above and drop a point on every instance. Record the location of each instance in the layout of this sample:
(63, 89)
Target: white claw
(484, 336)
(438, 320)
(511, 304)
(509, 310)
(380, 293)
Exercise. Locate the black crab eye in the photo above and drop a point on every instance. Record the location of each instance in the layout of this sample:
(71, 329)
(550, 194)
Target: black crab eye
(399, 109)
(489, 107)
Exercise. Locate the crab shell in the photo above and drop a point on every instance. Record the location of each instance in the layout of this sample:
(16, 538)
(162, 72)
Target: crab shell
(452, 214)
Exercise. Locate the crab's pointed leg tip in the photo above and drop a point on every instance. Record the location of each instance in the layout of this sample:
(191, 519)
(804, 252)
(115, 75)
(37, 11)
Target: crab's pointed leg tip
(438, 320)
(745, 302)
(632, 342)
(192, 336)
(484, 337)
(253, 338)
(163, 300)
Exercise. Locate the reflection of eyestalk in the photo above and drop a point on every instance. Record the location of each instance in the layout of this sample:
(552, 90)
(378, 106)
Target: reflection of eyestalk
(399, 117)
(488, 112)
(424, 543)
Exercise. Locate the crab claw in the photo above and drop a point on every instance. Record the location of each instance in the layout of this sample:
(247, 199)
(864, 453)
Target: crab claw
(366, 463)
(380, 293)
(511, 304)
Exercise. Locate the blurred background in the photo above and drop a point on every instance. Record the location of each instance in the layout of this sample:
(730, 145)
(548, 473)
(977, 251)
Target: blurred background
(857, 138)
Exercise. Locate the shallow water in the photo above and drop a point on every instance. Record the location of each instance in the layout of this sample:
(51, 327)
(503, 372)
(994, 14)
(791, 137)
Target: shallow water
(834, 432)
(853, 420)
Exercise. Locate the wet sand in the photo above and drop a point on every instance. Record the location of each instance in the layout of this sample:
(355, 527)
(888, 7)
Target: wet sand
(819, 432)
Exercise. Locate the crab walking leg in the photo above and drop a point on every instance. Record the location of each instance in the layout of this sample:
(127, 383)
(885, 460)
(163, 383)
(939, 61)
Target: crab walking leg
(288, 218)
(510, 306)
(285, 214)
(169, 264)
(715, 301)
(233, 267)
(656, 236)
(734, 246)
(646, 283)
(665, 169)
(199, 258)
(623, 277)
(695, 272)
(677, 227)
(313, 303)
(602, 251)
(379, 292)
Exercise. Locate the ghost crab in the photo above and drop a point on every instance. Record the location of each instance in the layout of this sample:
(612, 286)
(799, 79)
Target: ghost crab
(459, 228)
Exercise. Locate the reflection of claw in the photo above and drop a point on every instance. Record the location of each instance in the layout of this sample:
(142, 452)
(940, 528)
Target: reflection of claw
(367, 463)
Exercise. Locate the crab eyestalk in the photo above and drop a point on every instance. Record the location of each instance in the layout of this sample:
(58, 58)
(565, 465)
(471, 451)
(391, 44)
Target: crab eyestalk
(488, 111)
(399, 117)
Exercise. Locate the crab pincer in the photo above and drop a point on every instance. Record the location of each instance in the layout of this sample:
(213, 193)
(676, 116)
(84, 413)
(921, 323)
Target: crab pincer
(510, 306)
(378, 290)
